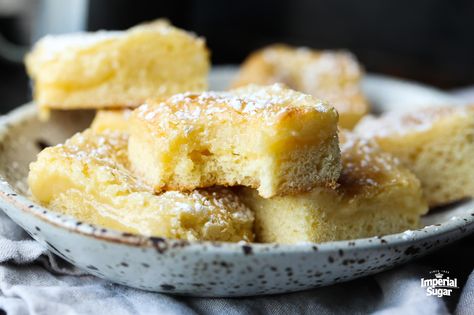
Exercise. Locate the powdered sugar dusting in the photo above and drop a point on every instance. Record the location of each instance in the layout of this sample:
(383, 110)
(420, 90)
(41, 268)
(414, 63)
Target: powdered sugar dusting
(268, 101)
(54, 44)
(365, 165)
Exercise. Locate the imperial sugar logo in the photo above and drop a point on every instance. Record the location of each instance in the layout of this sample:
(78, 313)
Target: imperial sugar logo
(439, 283)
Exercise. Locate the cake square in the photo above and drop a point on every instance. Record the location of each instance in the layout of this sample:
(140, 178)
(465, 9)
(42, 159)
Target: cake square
(112, 120)
(271, 138)
(88, 178)
(436, 143)
(375, 195)
(334, 76)
(109, 69)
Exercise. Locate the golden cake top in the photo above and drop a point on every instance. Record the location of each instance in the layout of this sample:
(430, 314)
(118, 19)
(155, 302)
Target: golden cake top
(266, 102)
(400, 123)
(109, 152)
(366, 169)
(334, 75)
(67, 46)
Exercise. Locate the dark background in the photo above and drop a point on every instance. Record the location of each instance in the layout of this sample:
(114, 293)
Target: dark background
(430, 41)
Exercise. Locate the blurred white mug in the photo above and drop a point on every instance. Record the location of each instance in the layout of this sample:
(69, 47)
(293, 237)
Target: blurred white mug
(38, 18)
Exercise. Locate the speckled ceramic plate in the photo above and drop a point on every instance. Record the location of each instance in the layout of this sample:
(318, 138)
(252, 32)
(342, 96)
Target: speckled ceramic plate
(206, 268)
